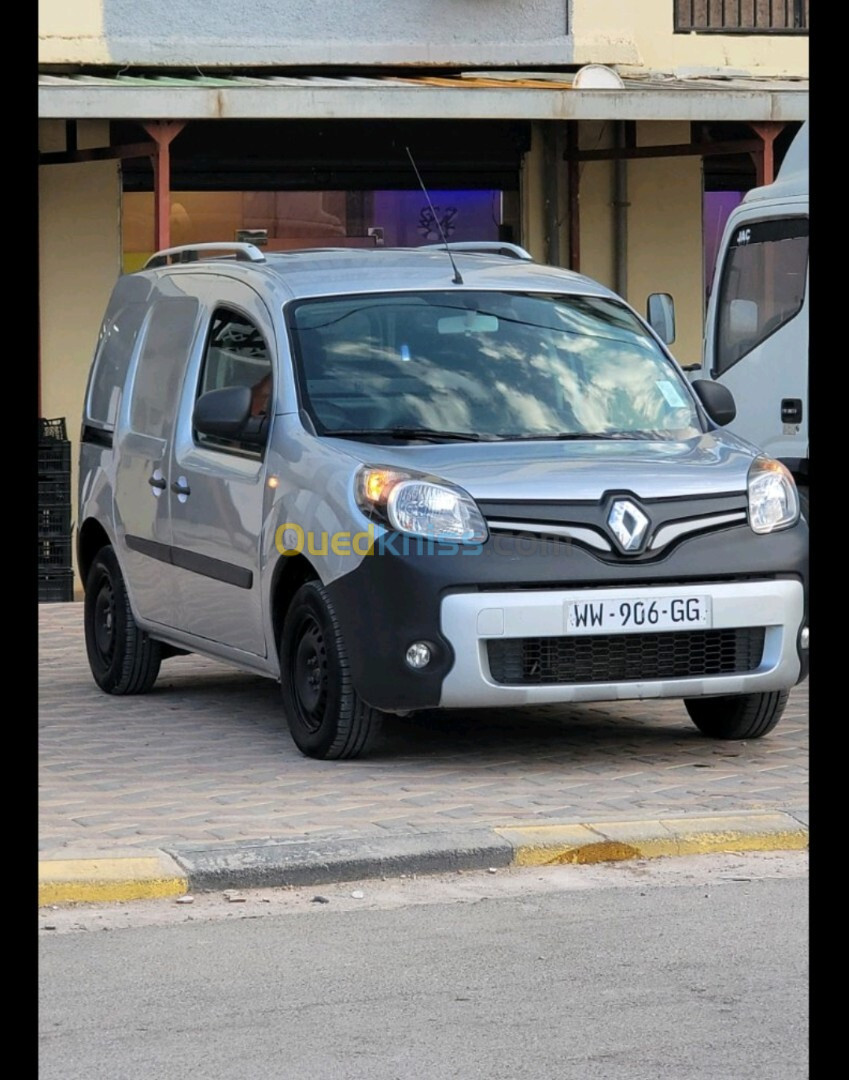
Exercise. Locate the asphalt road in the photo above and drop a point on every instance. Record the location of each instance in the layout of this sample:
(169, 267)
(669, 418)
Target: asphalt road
(692, 969)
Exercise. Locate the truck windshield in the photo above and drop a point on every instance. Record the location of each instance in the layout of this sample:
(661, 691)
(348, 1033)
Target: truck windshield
(762, 286)
(492, 365)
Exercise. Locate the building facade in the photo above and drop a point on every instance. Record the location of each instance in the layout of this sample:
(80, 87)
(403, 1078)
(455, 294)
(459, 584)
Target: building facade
(609, 136)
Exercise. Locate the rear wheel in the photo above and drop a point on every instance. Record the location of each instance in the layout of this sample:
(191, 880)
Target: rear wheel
(327, 718)
(737, 716)
(122, 658)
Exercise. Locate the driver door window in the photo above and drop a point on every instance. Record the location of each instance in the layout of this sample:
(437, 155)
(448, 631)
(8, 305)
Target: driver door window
(237, 355)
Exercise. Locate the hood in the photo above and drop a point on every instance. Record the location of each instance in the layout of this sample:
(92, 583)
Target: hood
(707, 464)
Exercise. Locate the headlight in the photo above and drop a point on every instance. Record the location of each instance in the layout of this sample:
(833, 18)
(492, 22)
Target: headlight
(419, 505)
(773, 500)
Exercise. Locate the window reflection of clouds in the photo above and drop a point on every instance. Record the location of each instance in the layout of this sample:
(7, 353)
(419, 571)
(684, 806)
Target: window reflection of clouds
(551, 366)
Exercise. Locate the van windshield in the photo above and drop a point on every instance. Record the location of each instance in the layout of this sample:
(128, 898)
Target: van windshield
(484, 365)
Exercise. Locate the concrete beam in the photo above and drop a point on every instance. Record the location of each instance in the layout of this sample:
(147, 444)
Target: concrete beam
(344, 100)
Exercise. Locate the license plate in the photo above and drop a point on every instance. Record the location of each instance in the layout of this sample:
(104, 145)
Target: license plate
(638, 614)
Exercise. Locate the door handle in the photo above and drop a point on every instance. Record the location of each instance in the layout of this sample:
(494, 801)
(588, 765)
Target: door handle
(158, 481)
(181, 487)
(791, 410)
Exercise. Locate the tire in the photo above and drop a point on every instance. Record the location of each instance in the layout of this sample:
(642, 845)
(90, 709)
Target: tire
(122, 658)
(737, 716)
(327, 719)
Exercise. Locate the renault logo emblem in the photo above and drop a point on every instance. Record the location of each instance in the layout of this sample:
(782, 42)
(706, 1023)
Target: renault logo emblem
(628, 524)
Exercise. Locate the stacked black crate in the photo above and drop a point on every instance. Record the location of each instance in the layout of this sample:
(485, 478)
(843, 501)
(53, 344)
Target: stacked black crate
(55, 565)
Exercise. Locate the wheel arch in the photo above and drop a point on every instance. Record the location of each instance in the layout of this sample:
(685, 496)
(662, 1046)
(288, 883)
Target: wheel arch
(290, 573)
(90, 539)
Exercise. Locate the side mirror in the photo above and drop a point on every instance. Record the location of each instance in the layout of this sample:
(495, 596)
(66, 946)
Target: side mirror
(742, 320)
(718, 401)
(223, 413)
(660, 313)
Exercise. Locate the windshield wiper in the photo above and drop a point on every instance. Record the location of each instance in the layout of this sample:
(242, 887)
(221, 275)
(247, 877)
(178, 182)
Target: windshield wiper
(567, 436)
(433, 434)
(437, 435)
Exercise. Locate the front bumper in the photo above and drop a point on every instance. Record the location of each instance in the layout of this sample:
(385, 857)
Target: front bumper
(469, 620)
(389, 601)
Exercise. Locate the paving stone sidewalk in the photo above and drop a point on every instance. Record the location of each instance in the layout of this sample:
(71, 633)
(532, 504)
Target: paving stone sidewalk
(206, 757)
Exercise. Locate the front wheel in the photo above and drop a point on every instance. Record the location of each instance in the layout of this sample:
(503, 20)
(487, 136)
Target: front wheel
(122, 658)
(327, 718)
(737, 716)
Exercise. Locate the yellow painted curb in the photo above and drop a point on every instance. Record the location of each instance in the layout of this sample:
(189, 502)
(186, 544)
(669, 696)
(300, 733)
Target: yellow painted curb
(552, 845)
(548, 845)
(74, 881)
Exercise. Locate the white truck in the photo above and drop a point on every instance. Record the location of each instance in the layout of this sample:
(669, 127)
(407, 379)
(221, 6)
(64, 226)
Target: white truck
(756, 332)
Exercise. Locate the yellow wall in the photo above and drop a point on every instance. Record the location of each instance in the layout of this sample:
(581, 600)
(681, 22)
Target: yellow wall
(71, 31)
(596, 191)
(77, 18)
(639, 32)
(51, 136)
(532, 195)
(90, 133)
(664, 223)
(665, 235)
(79, 262)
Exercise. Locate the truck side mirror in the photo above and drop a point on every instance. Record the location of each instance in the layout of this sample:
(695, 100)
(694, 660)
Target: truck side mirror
(718, 401)
(742, 320)
(223, 413)
(660, 314)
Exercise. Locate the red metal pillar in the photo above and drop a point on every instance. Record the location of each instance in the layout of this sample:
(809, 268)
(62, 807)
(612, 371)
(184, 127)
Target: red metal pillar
(163, 135)
(767, 131)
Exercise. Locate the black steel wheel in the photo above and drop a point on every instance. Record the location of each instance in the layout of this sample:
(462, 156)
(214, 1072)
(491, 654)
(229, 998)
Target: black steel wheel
(123, 659)
(327, 719)
(310, 675)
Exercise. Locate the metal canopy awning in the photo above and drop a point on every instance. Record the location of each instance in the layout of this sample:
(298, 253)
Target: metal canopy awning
(539, 97)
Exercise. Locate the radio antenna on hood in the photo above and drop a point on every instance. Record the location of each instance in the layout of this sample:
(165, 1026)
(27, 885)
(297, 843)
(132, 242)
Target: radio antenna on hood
(457, 278)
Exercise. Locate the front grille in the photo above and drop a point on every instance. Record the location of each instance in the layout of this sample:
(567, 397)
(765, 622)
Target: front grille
(625, 657)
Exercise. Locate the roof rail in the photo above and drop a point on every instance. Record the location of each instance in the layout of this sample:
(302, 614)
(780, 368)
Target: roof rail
(192, 253)
(483, 247)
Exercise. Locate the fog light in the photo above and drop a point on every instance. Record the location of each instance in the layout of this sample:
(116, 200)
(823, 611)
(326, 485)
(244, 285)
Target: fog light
(803, 637)
(418, 655)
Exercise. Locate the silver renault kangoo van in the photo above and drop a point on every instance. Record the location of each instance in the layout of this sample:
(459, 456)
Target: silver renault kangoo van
(403, 480)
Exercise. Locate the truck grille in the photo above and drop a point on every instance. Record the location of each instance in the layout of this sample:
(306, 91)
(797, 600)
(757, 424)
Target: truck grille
(625, 657)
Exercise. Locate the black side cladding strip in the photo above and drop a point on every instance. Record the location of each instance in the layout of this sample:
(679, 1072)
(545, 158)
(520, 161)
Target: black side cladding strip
(204, 565)
(155, 550)
(212, 568)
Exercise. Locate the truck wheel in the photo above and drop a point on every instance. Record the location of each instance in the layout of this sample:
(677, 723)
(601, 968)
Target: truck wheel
(122, 658)
(326, 717)
(737, 716)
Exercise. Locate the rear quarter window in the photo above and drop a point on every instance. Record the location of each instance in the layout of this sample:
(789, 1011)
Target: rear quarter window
(111, 362)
